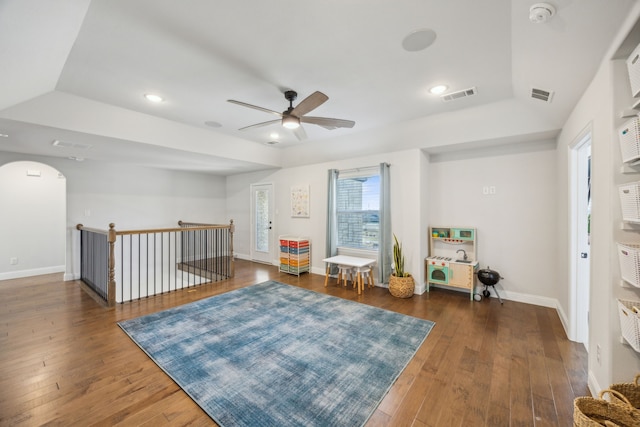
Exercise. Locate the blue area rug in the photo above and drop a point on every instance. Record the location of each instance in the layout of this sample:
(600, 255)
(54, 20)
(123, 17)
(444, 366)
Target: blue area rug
(277, 355)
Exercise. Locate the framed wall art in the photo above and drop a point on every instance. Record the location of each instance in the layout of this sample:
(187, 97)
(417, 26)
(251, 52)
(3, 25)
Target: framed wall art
(300, 201)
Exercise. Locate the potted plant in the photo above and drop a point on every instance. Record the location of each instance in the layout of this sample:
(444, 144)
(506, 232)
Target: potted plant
(401, 283)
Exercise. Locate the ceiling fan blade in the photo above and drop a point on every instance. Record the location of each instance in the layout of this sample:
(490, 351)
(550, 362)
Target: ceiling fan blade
(300, 133)
(328, 123)
(255, 107)
(311, 102)
(259, 125)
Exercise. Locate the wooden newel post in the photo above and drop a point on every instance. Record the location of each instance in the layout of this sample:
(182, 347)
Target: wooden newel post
(232, 229)
(111, 291)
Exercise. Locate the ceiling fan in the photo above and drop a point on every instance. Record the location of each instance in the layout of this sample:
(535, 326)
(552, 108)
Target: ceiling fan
(293, 116)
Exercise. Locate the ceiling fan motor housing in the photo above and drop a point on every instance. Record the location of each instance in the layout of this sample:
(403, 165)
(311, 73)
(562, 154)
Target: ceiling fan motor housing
(291, 95)
(293, 117)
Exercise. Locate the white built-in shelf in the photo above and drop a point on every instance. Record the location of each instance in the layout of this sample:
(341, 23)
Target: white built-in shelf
(630, 226)
(630, 167)
(627, 285)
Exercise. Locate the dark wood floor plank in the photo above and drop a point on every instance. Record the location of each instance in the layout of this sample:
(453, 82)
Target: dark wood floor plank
(64, 360)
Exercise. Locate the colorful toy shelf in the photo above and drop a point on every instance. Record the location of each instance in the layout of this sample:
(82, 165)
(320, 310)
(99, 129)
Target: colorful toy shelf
(295, 254)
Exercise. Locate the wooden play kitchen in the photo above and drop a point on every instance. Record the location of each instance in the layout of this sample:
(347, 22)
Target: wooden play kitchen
(453, 258)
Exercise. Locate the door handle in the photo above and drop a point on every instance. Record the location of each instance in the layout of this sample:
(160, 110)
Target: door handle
(584, 255)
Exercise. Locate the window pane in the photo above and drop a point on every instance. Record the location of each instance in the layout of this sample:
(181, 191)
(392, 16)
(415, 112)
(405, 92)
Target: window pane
(358, 201)
(262, 221)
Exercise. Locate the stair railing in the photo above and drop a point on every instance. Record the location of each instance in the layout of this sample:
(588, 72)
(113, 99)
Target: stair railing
(120, 266)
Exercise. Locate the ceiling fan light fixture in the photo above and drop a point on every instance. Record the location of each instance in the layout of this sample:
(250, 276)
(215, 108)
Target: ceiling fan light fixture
(291, 122)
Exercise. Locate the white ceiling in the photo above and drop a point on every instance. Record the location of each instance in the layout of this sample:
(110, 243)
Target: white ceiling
(78, 72)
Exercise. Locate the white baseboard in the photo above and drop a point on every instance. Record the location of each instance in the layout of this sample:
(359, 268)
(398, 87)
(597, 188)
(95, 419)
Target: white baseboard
(529, 299)
(71, 276)
(450, 288)
(511, 296)
(420, 289)
(564, 320)
(594, 386)
(33, 272)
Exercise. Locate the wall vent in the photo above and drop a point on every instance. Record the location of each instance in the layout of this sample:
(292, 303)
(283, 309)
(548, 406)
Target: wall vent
(63, 144)
(541, 94)
(459, 94)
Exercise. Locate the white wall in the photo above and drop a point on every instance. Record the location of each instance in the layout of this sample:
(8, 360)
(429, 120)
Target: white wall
(406, 193)
(600, 107)
(625, 362)
(131, 197)
(516, 225)
(32, 229)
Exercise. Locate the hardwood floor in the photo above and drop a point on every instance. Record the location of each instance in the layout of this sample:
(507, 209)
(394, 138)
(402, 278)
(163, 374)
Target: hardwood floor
(64, 360)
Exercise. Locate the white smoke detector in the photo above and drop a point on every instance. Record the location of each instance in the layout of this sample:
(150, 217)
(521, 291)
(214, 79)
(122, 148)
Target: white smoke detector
(541, 13)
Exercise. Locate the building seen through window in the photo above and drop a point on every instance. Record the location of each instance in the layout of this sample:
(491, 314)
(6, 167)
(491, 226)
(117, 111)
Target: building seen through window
(358, 212)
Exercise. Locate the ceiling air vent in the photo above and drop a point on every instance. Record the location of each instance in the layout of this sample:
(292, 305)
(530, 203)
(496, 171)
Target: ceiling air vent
(62, 144)
(459, 94)
(541, 94)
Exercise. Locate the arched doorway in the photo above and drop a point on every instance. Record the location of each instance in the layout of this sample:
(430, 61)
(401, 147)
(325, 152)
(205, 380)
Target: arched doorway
(33, 226)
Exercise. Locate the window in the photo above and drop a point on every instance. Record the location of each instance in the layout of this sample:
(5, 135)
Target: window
(358, 211)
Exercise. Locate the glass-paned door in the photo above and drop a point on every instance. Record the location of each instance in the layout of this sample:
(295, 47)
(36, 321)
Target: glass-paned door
(262, 222)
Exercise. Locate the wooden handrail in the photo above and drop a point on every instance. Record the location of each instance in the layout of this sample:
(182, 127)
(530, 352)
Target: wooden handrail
(181, 222)
(231, 226)
(112, 237)
(93, 230)
(160, 230)
(169, 230)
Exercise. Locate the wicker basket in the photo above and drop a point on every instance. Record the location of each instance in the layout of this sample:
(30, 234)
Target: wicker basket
(629, 390)
(630, 201)
(629, 258)
(401, 287)
(633, 68)
(592, 412)
(630, 322)
(629, 138)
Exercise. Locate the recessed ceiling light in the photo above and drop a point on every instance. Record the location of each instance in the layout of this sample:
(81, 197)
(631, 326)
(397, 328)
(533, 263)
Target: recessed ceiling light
(213, 124)
(419, 40)
(272, 142)
(439, 89)
(153, 98)
(4, 135)
(274, 135)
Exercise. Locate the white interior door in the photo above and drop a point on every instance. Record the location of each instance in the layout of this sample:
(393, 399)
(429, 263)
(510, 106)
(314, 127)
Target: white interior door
(581, 234)
(262, 223)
